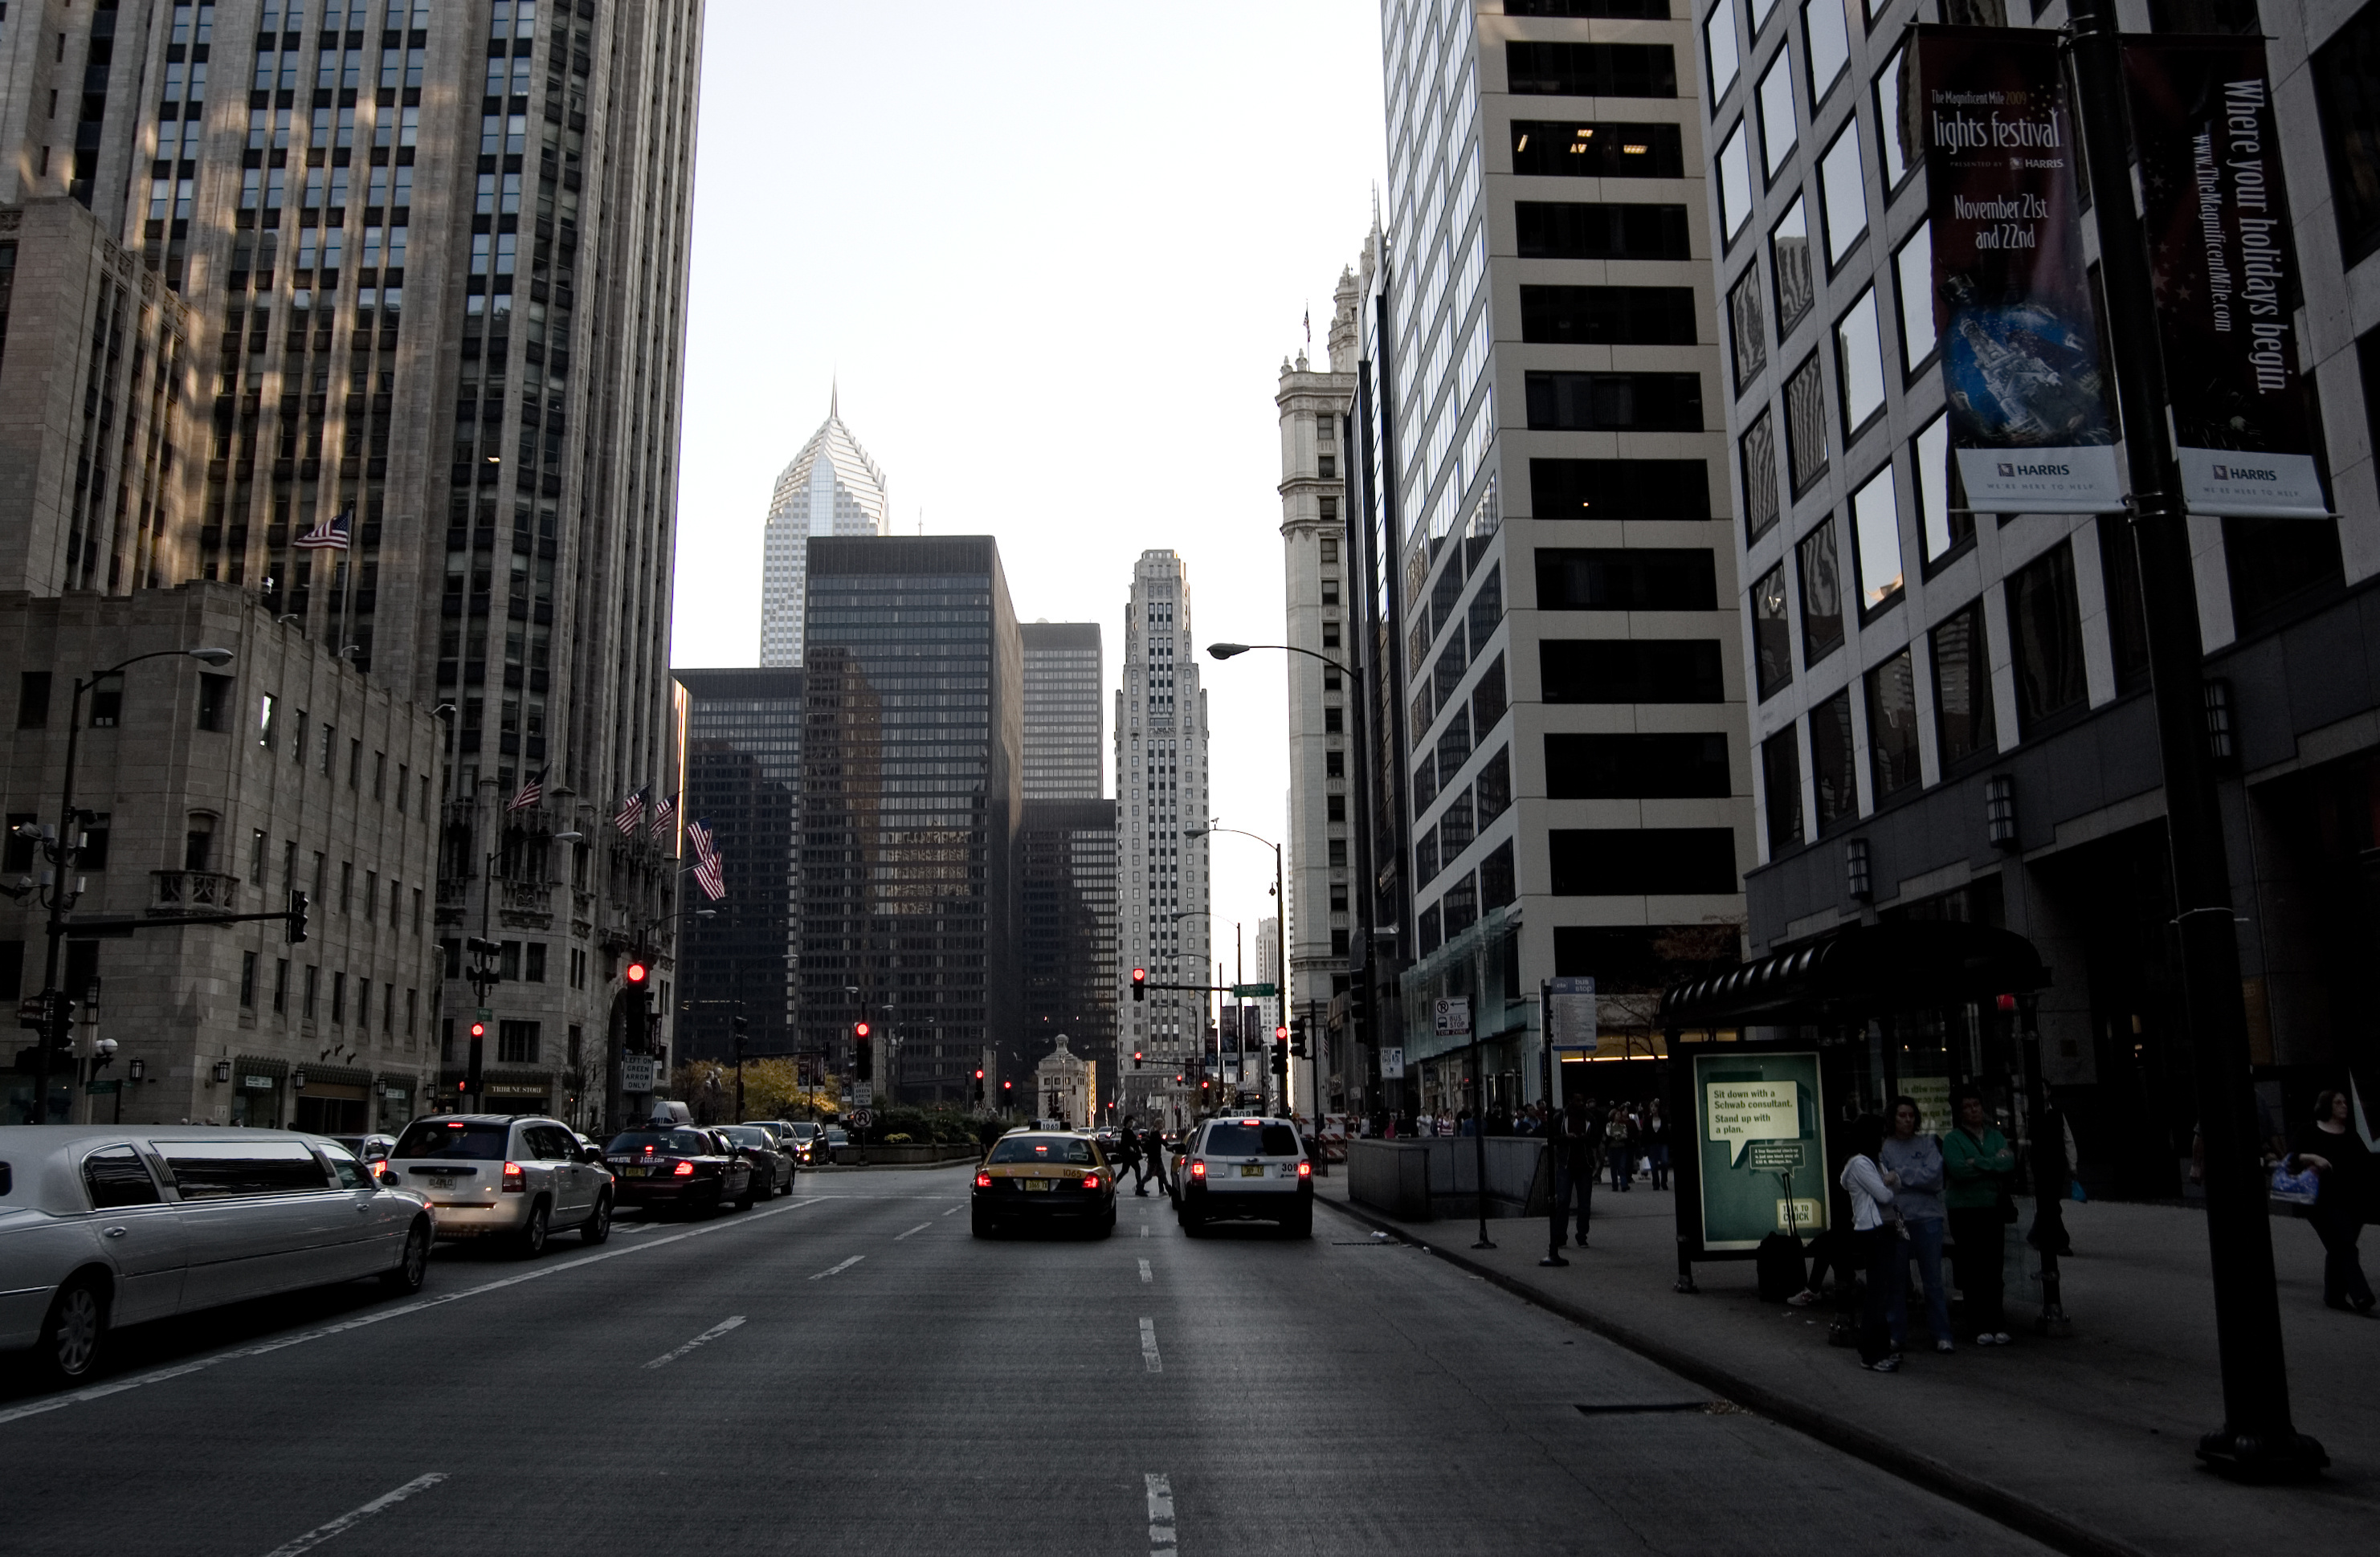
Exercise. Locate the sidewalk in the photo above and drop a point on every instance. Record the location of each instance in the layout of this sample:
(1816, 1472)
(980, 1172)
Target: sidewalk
(2086, 1443)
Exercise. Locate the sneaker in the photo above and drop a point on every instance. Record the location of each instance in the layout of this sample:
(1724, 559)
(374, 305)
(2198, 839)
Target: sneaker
(1985, 1338)
(1802, 1299)
(2001, 1338)
(1883, 1365)
(1553, 1260)
(1944, 1346)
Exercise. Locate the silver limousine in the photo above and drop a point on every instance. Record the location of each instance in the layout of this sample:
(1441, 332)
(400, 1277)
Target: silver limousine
(103, 1228)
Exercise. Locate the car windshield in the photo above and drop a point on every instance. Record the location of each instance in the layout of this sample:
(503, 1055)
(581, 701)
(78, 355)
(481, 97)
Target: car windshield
(472, 1140)
(805, 1132)
(1251, 1140)
(669, 1143)
(748, 1134)
(1043, 1149)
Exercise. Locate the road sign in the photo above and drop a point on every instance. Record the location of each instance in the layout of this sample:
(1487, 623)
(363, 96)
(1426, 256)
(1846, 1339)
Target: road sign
(1392, 1062)
(637, 1073)
(1451, 1019)
(861, 1119)
(1255, 991)
(485, 1013)
(1569, 1013)
(862, 1093)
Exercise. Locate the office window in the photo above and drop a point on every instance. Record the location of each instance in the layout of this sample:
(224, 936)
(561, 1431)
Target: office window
(1962, 687)
(247, 960)
(1614, 402)
(1842, 193)
(1859, 366)
(1426, 857)
(1772, 632)
(1489, 699)
(1648, 578)
(1734, 183)
(2347, 86)
(1666, 489)
(1805, 424)
(281, 985)
(1761, 11)
(1571, 148)
(1609, 316)
(33, 699)
(1549, 70)
(1780, 781)
(1493, 788)
(1875, 535)
(1941, 500)
(1790, 269)
(1830, 44)
(1822, 593)
(401, 775)
(1660, 766)
(1892, 726)
(1424, 782)
(1778, 132)
(1632, 862)
(1588, 230)
(533, 968)
(1496, 885)
(1747, 332)
(1632, 670)
(1758, 454)
(215, 702)
(314, 990)
(1912, 271)
(339, 998)
(1720, 48)
(2276, 564)
(1830, 761)
(2045, 634)
(1899, 117)
(517, 1043)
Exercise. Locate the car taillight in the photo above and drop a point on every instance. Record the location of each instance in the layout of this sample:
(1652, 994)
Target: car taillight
(684, 1170)
(1305, 1170)
(1090, 1181)
(983, 1181)
(515, 1181)
(1197, 1170)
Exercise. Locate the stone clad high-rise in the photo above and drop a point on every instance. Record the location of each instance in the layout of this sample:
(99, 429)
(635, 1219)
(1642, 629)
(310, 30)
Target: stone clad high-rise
(831, 489)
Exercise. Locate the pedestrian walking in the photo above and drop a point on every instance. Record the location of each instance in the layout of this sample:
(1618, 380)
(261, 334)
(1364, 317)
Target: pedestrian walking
(2329, 1145)
(1570, 1142)
(1915, 1160)
(1656, 1144)
(1873, 1234)
(1152, 1161)
(1619, 1149)
(1978, 1168)
(1128, 1151)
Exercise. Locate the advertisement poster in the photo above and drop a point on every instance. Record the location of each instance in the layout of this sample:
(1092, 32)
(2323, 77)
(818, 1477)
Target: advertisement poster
(2216, 215)
(2031, 422)
(1760, 1135)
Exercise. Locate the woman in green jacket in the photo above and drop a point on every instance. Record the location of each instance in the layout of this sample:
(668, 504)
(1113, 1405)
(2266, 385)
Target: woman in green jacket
(1978, 1167)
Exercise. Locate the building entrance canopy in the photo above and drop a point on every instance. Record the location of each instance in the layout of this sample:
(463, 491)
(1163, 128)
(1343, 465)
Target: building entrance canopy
(1862, 969)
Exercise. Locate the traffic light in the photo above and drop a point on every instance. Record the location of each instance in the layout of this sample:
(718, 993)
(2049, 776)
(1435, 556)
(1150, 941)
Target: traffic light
(295, 923)
(1139, 984)
(1297, 1037)
(635, 975)
(863, 1061)
(473, 1075)
(978, 1083)
(1280, 1058)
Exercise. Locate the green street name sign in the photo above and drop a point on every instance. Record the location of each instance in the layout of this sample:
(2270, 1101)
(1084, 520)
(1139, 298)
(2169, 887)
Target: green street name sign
(1258, 991)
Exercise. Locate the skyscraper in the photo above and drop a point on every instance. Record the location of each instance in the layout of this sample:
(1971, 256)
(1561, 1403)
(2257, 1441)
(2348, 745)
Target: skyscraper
(477, 367)
(1161, 757)
(1571, 710)
(911, 762)
(1062, 691)
(1066, 929)
(743, 782)
(831, 488)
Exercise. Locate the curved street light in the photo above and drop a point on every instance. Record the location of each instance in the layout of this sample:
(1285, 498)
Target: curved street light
(1280, 915)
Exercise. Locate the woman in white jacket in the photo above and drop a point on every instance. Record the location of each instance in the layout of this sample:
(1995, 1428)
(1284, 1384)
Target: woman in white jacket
(1874, 1228)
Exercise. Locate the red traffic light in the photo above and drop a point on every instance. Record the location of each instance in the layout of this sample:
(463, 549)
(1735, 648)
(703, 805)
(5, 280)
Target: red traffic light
(859, 1030)
(1006, 1085)
(479, 1030)
(1280, 1035)
(978, 1072)
(636, 973)
(1140, 975)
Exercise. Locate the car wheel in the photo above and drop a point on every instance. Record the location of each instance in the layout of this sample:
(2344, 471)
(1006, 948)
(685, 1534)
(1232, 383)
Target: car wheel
(983, 1226)
(75, 1333)
(597, 1229)
(412, 1267)
(744, 1202)
(529, 1242)
(1192, 1224)
(1106, 1225)
(1300, 1224)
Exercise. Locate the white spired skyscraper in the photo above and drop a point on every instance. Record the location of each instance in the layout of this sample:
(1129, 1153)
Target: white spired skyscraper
(831, 488)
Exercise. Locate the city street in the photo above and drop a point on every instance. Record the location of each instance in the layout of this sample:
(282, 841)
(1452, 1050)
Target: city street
(850, 1368)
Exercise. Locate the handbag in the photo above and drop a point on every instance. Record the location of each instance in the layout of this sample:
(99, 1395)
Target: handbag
(2302, 1188)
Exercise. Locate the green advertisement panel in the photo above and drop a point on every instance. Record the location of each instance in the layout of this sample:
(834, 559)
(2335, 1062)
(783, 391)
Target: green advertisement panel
(1760, 1136)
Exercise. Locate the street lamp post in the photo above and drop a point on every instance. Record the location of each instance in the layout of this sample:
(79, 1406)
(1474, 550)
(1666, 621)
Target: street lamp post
(61, 852)
(1280, 940)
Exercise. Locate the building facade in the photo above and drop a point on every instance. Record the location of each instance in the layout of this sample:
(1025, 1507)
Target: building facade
(912, 762)
(831, 488)
(1949, 709)
(440, 253)
(1315, 407)
(743, 782)
(1160, 760)
(1543, 375)
(1064, 683)
(1066, 926)
(210, 789)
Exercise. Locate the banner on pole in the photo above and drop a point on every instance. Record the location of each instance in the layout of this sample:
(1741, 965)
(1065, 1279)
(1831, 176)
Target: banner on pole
(2032, 430)
(2217, 217)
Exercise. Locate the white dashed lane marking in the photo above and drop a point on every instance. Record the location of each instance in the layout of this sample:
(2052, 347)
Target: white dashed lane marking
(716, 1330)
(1145, 1277)
(1148, 1356)
(918, 1228)
(838, 1270)
(1160, 1513)
(355, 1516)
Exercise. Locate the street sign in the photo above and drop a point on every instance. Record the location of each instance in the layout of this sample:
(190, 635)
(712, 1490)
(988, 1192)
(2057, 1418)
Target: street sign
(1569, 1013)
(485, 1013)
(1451, 1019)
(862, 1093)
(636, 1073)
(1255, 991)
(1392, 1063)
(861, 1119)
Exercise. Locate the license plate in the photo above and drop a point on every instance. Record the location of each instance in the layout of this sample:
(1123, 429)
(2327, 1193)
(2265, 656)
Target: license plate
(636, 1172)
(1251, 1170)
(441, 1184)
(1032, 1185)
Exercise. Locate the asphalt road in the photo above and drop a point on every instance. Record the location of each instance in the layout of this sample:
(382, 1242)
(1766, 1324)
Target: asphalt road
(849, 1371)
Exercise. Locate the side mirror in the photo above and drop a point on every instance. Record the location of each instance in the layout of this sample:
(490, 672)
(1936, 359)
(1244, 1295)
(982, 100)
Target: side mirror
(590, 1153)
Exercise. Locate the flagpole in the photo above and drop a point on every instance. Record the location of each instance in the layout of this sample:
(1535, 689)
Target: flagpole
(348, 595)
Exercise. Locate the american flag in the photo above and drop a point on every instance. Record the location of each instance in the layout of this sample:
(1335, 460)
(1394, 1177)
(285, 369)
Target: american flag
(708, 878)
(632, 811)
(329, 534)
(664, 814)
(532, 791)
(706, 850)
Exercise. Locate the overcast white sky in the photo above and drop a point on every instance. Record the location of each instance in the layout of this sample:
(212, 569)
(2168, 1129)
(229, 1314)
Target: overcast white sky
(1055, 253)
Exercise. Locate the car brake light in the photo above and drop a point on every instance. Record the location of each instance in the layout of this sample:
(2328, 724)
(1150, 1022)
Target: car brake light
(1197, 1170)
(1305, 1170)
(684, 1170)
(514, 1180)
(983, 1181)
(1090, 1181)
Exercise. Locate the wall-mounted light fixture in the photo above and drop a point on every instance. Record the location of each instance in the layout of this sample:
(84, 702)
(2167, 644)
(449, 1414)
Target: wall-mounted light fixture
(138, 1070)
(297, 1081)
(222, 1072)
(2220, 747)
(1855, 869)
(1999, 811)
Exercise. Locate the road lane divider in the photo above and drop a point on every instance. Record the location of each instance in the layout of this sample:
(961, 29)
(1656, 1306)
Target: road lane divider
(714, 1332)
(1145, 1277)
(838, 1270)
(1162, 1541)
(355, 1516)
(918, 1228)
(158, 1376)
(1148, 1356)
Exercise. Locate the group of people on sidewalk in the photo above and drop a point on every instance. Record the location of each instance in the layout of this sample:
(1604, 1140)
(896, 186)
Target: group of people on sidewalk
(1632, 1141)
(1582, 1139)
(1909, 1192)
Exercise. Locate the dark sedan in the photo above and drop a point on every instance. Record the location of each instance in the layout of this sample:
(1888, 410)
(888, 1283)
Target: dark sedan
(679, 1167)
(773, 1164)
(1044, 1178)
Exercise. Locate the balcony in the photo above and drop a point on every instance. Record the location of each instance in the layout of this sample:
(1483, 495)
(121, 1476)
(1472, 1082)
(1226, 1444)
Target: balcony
(180, 892)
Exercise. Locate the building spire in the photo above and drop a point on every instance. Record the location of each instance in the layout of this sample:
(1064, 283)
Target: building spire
(833, 398)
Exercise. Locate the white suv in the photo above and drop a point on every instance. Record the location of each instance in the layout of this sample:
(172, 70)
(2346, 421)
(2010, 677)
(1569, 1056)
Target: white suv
(498, 1176)
(1237, 1169)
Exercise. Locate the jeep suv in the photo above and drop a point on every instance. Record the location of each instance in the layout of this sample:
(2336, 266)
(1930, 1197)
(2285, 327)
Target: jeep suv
(1239, 1169)
(501, 1176)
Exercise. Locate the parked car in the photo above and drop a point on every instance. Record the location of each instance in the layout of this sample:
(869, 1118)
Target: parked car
(806, 1142)
(837, 1139)
(1242, 1168)
(372, 1151)
(498, 1176)
(772, 1165)
(1040, 1178)
(104, 1227)
(679, 1167)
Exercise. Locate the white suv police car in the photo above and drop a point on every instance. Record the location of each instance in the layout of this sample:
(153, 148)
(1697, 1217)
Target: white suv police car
(1245, 1169)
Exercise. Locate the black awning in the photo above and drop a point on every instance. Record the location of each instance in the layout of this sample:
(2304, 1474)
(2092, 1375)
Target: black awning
(1862, 969)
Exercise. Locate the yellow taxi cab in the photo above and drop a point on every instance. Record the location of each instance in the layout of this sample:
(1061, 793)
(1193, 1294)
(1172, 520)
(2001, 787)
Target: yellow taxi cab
(1044, 1178)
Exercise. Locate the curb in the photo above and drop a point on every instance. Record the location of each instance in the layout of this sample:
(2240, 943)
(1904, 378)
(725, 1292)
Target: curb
(1995, 1503)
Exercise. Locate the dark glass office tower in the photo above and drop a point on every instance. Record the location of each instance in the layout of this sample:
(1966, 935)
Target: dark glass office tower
(912, 767)
(744, 779)
(1066, 922)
